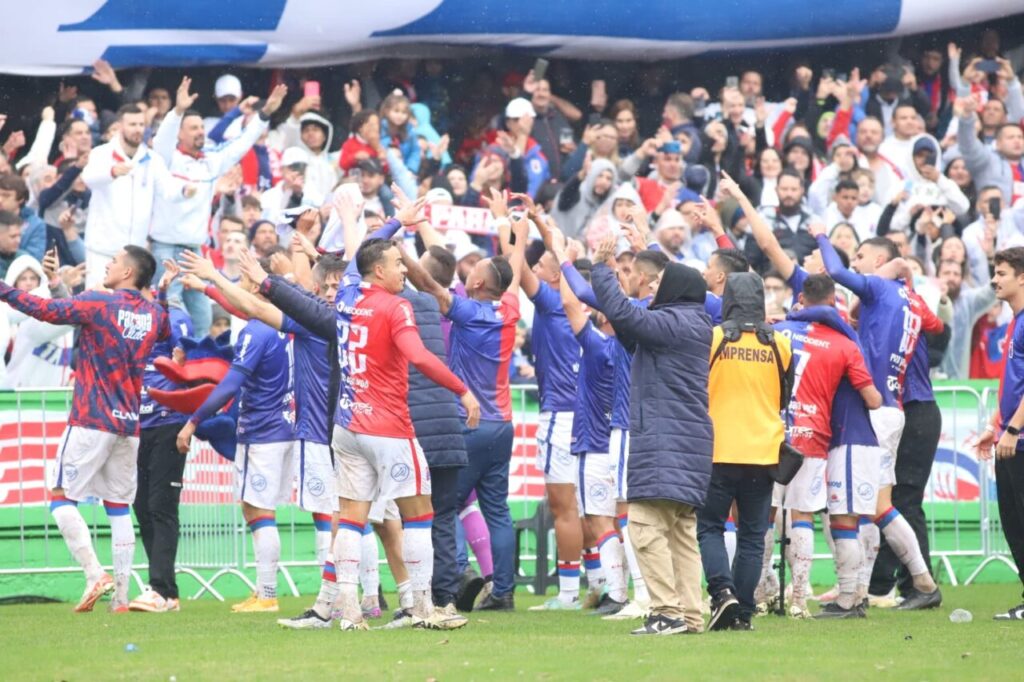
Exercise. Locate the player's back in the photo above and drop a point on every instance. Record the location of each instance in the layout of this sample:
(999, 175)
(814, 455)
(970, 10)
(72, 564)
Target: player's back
(374, 396)
(889, 329)
(266, 411)
(113, 349)
(312, 372)
(555, 350)
(591, 425)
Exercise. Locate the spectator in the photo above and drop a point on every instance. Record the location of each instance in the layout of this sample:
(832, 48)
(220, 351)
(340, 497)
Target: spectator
(789, 221)
(623, 115)
(759, 186)
(600, 141)
(10, 240)
(183, 224)
(844, 237)
(888, 176)
(1002, 166)
(553, 130)
(750, 374)
(227, 225)
(290, 193)
(660, 191)
(364, 141)
(309, 130)
(125, 179)
(252, 210)
(523, 156)
(14, 198)
(671, 435)
(580, 198)
(263, 237)
(846, 208)
(844, 161)
(996, 228)
(956, 170)
(969, 306)
(227, 91)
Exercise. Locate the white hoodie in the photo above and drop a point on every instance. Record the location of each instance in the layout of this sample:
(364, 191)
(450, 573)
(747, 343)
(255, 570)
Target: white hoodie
(322, 172)
(121, 208)
(42, 351)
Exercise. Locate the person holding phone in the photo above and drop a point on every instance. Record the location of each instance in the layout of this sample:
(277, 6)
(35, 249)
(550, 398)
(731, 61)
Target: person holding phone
(1002, 167)
(926, 186)
(555, 116)
(309, 129)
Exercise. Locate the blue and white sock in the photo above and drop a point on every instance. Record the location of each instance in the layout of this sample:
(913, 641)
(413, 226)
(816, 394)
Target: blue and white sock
(418, 554)
(76, 536)
(267, 544)
(347, 553)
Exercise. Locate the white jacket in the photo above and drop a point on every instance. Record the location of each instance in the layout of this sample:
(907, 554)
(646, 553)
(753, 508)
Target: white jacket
(42, 351)
(322, 172)
(185, 221)
(121, 208)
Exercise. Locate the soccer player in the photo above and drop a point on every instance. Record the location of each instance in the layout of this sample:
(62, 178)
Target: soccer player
(98, 451)
(1008, 420)
(311, 453)
(591, 430)
(482, 339)
(890, 323)
(557, 362)
(260, 376)
(161, 468)
(825, 353)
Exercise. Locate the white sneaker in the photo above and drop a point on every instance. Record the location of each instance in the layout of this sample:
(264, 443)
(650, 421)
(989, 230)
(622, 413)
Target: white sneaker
(441, 619)
(633, 610)
(799, 611)
(887, 601)
(308, 620)
(345, 625)
(401, 619)
(150, 601)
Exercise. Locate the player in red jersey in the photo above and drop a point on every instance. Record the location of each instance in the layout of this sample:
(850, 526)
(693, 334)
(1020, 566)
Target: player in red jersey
(98, 451)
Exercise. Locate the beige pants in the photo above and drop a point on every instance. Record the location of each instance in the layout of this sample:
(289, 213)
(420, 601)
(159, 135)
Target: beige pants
(664, 537)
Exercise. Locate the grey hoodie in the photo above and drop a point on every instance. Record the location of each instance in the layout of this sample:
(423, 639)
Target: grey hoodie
(574, 219)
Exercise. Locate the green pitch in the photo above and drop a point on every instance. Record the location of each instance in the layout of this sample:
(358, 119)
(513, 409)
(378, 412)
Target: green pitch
(206, 642)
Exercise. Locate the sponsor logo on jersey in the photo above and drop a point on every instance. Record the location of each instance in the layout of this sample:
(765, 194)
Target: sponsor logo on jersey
(125, 416)
(400, 472)
(258, 482)
(134, 326)
(315, 487)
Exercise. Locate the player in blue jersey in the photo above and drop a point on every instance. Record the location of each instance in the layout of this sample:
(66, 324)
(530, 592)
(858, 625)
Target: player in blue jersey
(891, 320)
(1004, 428)
(639, 284)
(260, 376)
(161, 468)
(557, 362)
(98, 451)
(591, 431)
(481, 344)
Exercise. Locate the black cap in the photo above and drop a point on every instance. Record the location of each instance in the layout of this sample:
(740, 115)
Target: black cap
(371, 166)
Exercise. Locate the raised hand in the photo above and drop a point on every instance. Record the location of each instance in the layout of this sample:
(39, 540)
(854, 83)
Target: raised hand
(51, 264)
(183, 101)
(275, 99)
(408, 212)
(103, 72)
(348, 210)
(192, 283)
(498, 203)
(728, 187)
(605, 252)
(251, 267)
(248, 105)
(171, 270)
(195, 264)
(353, 95)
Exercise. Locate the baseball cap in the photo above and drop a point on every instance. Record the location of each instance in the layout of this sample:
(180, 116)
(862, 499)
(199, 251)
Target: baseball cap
(294, 156)
(228, 86)
(518, 108)
(439, 195)
(371, 166)
(925, 144)
(671, 147)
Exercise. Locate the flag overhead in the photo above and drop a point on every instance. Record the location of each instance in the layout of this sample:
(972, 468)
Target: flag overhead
(66, 36)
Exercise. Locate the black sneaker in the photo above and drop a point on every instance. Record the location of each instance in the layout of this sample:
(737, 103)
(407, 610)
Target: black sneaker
(724, 610)
(608, 606)
(661, 625)
(834, 611)
(470, 585)
(742, 624)
(918, 601)
(1016, 613)
(495, 603)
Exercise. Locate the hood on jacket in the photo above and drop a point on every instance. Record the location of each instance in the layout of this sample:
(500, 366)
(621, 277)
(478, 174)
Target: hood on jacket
(626, 191)
(696, 143)
(681, 284)
(922, 141)
(597, 167)
(743, 300)
(19, 265)
(320, 120)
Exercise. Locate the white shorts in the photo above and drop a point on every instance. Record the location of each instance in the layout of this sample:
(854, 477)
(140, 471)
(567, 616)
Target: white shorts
(595, 487)
(315, 477)
(618, 457)
(853, 473)
(888, 424)
(93, 463)
(383, 510)
(263, 474)
(369, 467)
(554, 440)
(806, 492)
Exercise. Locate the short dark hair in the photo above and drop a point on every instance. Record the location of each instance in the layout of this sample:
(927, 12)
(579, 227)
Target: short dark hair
(251, 201)
(847, 184)
(682, 103)
(66, 126)
(817, 289)
(882, 243)
(233, 219)
(655, 260)
(144, 264)
(441, 265)
(790, 172)
(190, 112)
(7, 219)
(370, 253)
(502, 270)
(902, 105)
(1004, 126)
(534, 251)
(327, 264)
(950, 261)
(731, 260)
(128, 109)
(360, 118)
(14, 183)
(1014, 257)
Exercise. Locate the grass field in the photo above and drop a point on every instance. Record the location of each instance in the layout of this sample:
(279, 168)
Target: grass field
(205, 642)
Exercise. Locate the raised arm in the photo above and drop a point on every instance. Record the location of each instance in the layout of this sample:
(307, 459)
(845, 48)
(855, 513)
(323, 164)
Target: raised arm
(422, 280)
(574, 311)
(853, 281)
(223, 392)
(240, 146)
(763, 234)
(630, 322)
(252, 306)
(77, 310)
(571, 277)
(522, 276)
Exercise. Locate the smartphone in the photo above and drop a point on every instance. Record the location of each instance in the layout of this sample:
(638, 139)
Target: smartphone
(565, 136)
(987, 66)
(311, 89)
(732, 82)
(995, 206)
(828, 73)
(929, 158)
(540, 68)
(842, 77)
(593, 119)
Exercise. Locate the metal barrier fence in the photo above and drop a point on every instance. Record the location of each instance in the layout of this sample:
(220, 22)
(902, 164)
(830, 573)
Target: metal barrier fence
(214, 546)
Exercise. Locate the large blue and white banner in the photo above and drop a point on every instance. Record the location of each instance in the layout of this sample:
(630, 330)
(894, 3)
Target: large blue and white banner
(55, 37)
